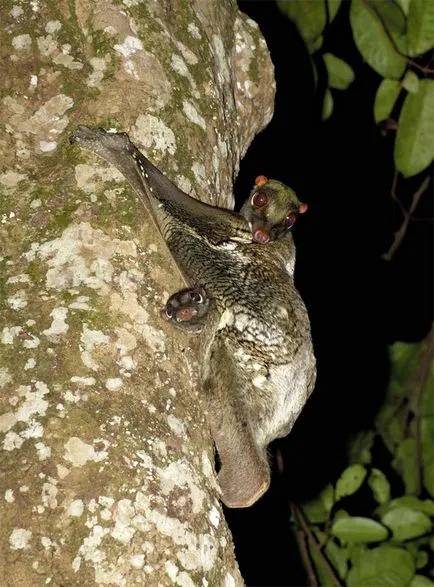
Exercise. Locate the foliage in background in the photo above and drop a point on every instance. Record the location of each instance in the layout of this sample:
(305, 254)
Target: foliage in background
(392, 544)
(396, 39)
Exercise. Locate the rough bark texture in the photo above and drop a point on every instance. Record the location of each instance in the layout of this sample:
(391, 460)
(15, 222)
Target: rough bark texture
(107, 463)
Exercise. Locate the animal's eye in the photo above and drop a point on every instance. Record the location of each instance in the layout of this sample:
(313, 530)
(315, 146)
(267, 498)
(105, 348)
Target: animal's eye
(167, 312)
(260, 199)
(196, 297)
(290, 220)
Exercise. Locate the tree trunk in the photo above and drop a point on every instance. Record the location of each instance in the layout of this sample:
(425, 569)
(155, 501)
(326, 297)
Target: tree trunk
(107, 461)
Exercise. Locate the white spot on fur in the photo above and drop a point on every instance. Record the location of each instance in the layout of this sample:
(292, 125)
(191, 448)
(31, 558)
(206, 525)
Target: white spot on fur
(226, 319)
(259, 381)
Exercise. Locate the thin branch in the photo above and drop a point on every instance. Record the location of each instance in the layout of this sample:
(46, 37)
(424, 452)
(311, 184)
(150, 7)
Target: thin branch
(400, 233)
(415, 64)
(304, 553)
(299, 516)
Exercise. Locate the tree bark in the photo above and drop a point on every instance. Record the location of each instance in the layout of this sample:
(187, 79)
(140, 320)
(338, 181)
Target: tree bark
(107, 462)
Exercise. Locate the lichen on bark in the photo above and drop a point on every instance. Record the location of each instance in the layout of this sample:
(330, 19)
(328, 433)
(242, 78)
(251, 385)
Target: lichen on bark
(107, 460)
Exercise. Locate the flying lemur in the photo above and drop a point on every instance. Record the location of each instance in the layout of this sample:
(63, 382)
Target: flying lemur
(258, 365)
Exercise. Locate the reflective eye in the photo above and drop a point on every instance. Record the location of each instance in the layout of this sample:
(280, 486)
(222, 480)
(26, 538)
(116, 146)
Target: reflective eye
(167, 313)
(260, 199)
(290, 220)
(196, 297)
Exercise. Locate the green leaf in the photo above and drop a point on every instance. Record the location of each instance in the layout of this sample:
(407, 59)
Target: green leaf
(405, 4)
(380, 486)
(414, 140)
(411, 82)
(320, 567)
(393, 19)
(373, 42)
(356, 551)
(420, 27)
(427, 435)
(385, 98)
(421, 581)
(341, 515)
(405, 462)
(406, 523)
(333, 7)
(308, 16)
(315, 511)
(327, 105)
(405, 360)
(338, 556)
(422, 559)
(385, 566)
(350, 480)
(426, 506)
(327, 497)
(359, 447)
(315, 45)
(340, 73)
(357, 529)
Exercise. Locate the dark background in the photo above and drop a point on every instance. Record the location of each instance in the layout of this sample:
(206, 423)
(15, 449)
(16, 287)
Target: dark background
(357, 302)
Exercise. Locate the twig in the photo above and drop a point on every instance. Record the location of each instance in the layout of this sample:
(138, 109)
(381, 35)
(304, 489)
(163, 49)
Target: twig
(299, 516)
(400, 233)
(304, 553)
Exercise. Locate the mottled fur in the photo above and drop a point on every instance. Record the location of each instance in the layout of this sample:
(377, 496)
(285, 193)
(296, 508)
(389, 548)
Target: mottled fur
(258, 363)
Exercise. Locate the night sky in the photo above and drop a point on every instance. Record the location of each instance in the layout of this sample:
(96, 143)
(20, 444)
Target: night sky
(358, 303)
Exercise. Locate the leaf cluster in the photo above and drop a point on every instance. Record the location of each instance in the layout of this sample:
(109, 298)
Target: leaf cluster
(392, 545)
(395, 38)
